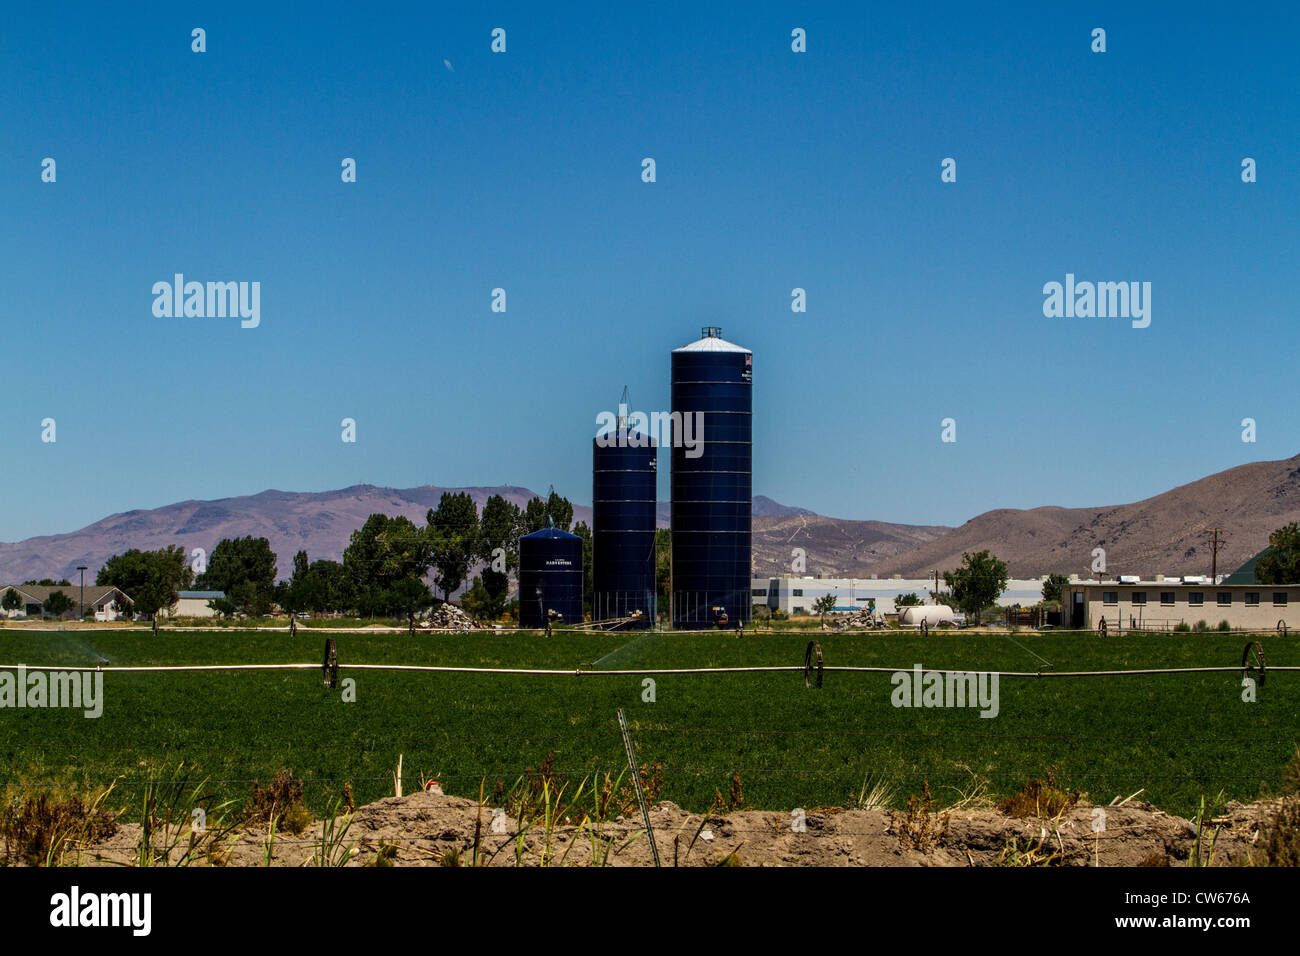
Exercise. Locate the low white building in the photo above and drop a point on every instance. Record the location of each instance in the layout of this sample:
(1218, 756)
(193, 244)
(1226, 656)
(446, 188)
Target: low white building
(193, 604)
(108, 603)
(795, 595)
(1160, 603)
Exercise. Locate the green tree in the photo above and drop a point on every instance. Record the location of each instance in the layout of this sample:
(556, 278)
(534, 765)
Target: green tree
(325, 587)
(561, 511)
(977, 583)
(454, 540)
(224, 606)
(1052, 588)
(152, 579)
(556, 508)
(408, 597)
(664, 569)
(363, 557)
(583, 532)
(1280, 564)
(57, 603)
(824, 605)
(499, 548)
(291, 594)
(479, 603)
(12, 600)
(243, 568)
(382, 552)
(908, 600)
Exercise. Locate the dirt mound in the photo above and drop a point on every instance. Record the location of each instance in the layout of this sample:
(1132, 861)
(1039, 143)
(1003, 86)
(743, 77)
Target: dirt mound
(429, 829)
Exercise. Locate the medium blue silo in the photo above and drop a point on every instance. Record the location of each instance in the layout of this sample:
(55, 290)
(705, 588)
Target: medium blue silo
(712, 484)
(624, 462)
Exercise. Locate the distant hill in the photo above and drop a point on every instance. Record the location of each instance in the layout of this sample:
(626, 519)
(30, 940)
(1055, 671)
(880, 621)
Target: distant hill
(832, 546)
(1166, 534)
(320, 522)
(765, 507)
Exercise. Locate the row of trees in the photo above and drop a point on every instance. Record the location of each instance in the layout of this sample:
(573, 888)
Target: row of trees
(387, 559)
(383, 569)
(152, 579)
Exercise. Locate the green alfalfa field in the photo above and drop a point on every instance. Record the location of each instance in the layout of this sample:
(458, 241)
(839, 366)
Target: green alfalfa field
(1175, 737)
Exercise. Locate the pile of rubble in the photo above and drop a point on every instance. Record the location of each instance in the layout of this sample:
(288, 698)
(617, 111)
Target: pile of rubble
(450, 617)
(856, 620)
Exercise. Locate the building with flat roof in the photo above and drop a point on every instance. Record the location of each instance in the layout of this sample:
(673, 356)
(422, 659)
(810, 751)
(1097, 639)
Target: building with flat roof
(193, 604)
(795, 595)
(1162, 604)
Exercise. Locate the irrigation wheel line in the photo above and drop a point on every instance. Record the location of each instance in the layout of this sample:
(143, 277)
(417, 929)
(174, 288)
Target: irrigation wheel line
(587, 672)
(1252, 661)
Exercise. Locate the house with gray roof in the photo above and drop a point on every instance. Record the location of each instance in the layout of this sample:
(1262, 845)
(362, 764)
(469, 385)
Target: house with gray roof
(108, 603)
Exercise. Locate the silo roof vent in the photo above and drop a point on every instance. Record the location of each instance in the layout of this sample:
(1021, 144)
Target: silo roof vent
(711, 341)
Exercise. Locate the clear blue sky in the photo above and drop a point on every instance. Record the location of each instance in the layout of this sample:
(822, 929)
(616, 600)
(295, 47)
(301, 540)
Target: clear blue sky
(522, 170)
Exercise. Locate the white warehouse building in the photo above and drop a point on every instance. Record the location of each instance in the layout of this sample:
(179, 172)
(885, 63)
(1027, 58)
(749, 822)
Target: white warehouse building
(795, 595)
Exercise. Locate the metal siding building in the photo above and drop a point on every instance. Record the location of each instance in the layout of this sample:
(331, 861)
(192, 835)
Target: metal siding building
(623, 525)
(550, 577)
(712, 490)
(796, 595)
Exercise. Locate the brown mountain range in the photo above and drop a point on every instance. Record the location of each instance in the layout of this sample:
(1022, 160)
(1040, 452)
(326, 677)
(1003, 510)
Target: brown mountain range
(319, 522)
(834, 547)
(1168, 533)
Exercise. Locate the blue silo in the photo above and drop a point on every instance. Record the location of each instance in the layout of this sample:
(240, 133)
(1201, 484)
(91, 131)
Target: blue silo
(624, 461)
(550, 578)
(712, 483)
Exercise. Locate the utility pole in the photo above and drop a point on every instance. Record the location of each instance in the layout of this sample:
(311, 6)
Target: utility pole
(936, 586)
(1214, 559)
(81, 611)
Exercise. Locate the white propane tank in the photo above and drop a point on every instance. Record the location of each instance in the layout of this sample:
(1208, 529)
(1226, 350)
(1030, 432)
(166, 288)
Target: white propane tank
(931, 614)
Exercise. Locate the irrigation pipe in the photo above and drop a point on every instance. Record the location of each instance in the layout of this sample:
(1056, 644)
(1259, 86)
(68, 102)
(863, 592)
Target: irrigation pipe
(588, 672)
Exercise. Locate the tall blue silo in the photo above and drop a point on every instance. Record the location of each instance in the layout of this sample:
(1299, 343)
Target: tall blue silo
(712, 483)
(550, 577)
(624, 500)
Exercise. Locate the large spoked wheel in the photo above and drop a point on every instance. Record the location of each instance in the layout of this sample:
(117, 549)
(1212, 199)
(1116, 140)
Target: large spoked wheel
(1101, 628)
(1252, 662)
(330, 668)
(812, 661)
